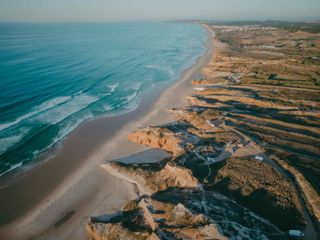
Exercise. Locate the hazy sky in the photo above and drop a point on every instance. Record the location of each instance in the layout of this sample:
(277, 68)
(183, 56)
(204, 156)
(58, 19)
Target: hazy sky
(123, 10)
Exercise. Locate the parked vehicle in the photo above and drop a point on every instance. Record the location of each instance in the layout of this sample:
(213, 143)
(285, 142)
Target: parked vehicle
(296, 234)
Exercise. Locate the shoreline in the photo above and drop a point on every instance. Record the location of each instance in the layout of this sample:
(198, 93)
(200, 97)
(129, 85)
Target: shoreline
(74, 189)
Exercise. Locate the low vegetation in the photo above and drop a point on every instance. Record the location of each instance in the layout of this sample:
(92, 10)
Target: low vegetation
(244, 155)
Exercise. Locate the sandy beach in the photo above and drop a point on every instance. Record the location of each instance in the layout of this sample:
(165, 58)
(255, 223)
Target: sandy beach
(54, 199)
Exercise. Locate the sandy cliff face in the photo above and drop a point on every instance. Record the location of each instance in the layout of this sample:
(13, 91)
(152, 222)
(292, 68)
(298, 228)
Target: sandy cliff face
(153, 177)
(157, 137)
(221, 180)
(147, 218)
(179, 214)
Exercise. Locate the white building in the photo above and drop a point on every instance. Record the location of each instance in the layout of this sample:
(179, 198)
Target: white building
(259, 158)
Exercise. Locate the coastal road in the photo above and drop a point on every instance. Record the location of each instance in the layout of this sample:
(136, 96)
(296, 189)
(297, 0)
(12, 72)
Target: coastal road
(309, 230)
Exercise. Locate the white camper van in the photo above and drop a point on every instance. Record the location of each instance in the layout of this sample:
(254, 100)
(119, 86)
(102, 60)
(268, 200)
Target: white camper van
(296, 234)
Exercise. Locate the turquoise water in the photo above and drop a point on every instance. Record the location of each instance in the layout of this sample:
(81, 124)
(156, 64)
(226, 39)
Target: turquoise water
(55, 76)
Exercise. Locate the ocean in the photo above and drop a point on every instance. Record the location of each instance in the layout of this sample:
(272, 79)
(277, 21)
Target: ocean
(55, 76)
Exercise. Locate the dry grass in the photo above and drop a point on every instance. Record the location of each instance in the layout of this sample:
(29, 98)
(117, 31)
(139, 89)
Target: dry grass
(257, 185)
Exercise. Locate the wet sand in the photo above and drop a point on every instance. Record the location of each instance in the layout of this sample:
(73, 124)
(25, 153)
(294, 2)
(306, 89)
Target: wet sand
(54, 199)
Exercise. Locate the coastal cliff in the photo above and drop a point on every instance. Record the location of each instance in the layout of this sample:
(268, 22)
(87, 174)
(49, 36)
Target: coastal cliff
(147, 218)
(153, 177)
(157, 137)
(238, 152)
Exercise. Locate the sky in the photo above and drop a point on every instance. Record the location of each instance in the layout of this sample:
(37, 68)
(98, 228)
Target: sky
(155, 10)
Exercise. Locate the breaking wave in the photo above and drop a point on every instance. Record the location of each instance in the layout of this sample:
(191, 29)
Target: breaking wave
(51, 81)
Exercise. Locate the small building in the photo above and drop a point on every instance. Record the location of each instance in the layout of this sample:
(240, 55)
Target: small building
(259, 158)
(211, 159)
(211, 123)
(199, 89)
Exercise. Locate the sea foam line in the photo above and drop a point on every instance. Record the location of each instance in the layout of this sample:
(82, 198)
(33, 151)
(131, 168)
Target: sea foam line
(42, 107)
(12, 167)
(61, 112)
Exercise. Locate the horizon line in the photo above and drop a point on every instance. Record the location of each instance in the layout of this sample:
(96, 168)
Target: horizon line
(172, 20)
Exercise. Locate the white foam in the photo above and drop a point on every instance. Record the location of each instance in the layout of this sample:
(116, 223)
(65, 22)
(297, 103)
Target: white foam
(136, 86)
(171, 72)
(36, 110)
(113, 87)
(69, 127)
(63, 132)
(163, 68)
(132, 103)
(154, 66)
(59, 113)
(108, 107)
(12, 167)
(131, 97)
(9, 141)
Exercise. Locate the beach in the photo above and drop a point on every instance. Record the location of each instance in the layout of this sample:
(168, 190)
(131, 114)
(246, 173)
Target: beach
(55, 199)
